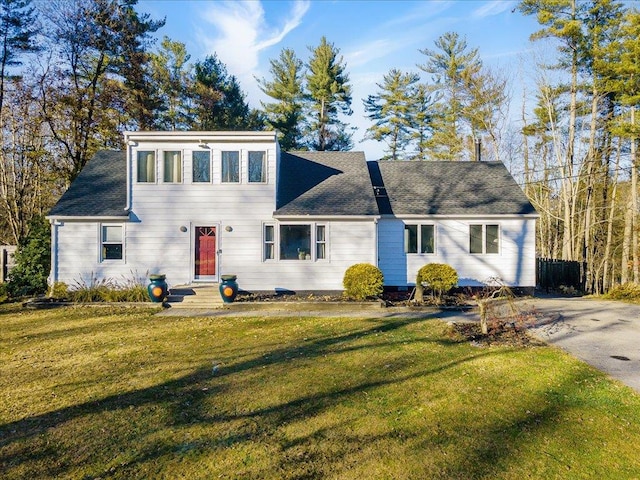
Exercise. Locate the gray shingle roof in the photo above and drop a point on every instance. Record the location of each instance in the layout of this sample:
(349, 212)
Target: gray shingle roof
(324, 183)
(449, 188)
(333, 183)
(99, 190)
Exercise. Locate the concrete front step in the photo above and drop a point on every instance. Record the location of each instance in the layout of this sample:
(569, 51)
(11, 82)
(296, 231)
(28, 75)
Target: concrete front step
(195, 296)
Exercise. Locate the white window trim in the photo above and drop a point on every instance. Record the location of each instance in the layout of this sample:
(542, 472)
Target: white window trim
(210, 167)
(313, 242)
(419, 238)
(274, 242)
(155, 166)
(101, 243)
(160, 160)
(484, 239)
(265, 170)
(241, 154)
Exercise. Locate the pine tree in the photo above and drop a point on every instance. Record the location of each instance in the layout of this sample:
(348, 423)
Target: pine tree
(391, 111)
(287, 114)
(329, 94)
(451, 65)
(17, 33)
(219, 101)
(173, 80)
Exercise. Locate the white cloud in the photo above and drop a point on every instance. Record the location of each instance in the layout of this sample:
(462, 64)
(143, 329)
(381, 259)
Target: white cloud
(495, 7)
(241, 33)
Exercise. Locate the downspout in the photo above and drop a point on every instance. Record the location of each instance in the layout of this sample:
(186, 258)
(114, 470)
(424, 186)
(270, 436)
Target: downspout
(53, 273)
(129, 167)
(375, 247)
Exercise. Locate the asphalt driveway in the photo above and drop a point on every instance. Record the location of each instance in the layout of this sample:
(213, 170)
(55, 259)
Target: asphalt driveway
(604, 334)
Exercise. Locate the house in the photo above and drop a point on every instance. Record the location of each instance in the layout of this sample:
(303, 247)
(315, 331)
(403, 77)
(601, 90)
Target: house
(196, 205)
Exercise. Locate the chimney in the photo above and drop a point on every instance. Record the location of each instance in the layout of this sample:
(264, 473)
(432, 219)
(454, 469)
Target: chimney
(478, 156)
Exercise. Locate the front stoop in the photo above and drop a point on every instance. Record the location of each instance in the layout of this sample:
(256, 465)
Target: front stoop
(198, 296)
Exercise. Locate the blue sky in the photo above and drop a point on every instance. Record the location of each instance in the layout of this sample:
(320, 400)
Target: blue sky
(373, 37)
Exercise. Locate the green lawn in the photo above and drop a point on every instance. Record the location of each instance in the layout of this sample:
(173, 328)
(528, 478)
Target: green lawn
(104, 393)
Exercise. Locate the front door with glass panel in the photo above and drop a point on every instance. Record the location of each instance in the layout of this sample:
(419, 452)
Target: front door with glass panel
(205, 253)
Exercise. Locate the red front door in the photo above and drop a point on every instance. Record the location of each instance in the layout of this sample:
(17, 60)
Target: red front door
(205, 251)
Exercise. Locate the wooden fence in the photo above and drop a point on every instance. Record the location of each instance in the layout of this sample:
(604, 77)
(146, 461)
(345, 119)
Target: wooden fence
(552, 274)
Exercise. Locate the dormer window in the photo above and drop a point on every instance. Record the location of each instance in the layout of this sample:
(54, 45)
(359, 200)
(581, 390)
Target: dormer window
(146, 167)
(257, 170)
(230, 167)
(201, 166)
(172, 167)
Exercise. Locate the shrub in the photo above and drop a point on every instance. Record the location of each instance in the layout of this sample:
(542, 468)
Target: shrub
(626, 291)
(59, 290)
(439, 277)
(33, 261)
(362, 280)
(107, 290)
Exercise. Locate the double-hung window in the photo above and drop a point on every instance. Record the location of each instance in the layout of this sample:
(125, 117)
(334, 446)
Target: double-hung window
(172, 167)
(230, 167)
(269, 242)
(419, 238)
(201, 160)
(484, 239)
(111, 241)
(321, 242)
(256, 167)
(146, 167)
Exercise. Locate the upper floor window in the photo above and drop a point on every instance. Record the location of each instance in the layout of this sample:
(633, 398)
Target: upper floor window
(111, 242)
(201, 166)
(146, 167)
(419, 239)
(230, 167)
(172, 167)
(484, 238)
(257, 170)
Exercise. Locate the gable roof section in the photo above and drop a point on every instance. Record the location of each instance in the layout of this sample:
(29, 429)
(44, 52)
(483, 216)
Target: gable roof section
(448, 188)
(99, 191)
(324, 183)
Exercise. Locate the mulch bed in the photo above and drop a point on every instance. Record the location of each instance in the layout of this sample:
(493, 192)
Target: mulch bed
(506, 336)
(391, 299)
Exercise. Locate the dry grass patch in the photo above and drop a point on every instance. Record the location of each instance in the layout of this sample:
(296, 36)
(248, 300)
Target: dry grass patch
(120, 393)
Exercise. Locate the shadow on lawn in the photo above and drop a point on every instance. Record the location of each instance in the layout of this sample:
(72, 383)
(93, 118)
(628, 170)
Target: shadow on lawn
(188, 401)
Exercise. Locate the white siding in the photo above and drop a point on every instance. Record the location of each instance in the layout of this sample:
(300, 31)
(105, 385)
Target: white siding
(155, 243)
(514, 265)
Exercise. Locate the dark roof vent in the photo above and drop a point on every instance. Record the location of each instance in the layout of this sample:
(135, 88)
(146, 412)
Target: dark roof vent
(379, 191)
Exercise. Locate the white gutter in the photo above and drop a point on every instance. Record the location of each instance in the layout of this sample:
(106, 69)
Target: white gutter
(460, 216)
(62, 218)
(302, 218)
(201, 137)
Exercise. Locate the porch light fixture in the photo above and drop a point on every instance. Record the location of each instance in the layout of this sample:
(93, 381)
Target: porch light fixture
(229, 228)
(183, 229)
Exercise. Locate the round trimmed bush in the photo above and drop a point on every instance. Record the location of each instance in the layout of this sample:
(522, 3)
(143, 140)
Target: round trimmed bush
(362, 280)
(439, 277)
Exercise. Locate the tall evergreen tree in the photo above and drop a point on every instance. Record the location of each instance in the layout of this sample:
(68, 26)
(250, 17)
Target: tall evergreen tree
(420, 122)
(173, 80)
(143, 102)
(219, 101)
(451, 64)
(287, 113)
(329, 94)
(17, 34)
(391, 111)
(468, 99)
